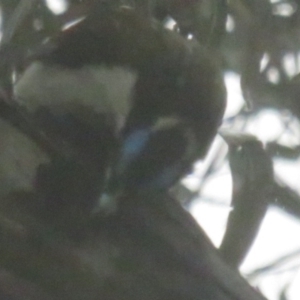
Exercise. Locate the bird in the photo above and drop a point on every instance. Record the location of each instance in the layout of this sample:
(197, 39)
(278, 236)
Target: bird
(160, 96)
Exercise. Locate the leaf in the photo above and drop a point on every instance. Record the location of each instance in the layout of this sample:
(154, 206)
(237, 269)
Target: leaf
(252, 174)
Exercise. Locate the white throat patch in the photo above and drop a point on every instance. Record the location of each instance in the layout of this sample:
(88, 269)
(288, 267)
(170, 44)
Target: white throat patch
(101, 88)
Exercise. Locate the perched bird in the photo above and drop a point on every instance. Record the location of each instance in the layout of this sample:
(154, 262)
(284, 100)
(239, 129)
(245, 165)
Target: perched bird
(160, 95)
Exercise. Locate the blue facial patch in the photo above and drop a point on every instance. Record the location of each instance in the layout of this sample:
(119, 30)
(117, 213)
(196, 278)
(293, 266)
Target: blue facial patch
(133, 146)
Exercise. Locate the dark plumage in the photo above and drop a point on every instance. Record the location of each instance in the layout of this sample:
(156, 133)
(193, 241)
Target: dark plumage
(161, 95)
